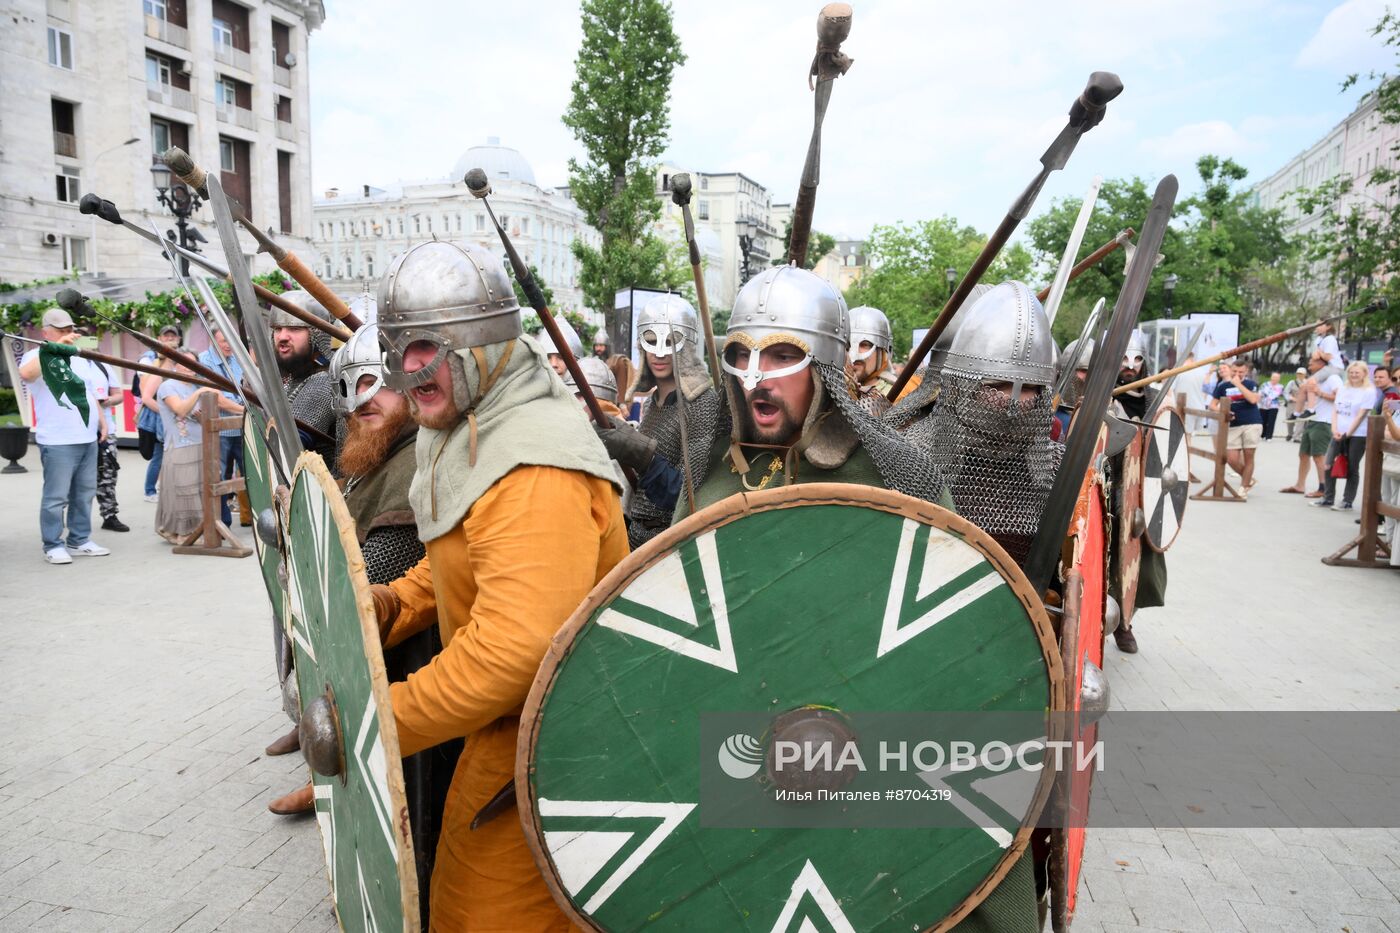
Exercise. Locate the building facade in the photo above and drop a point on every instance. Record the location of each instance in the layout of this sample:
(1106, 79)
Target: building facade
(844, 265)
(1358, 145)
(92, 90)
(357, 234)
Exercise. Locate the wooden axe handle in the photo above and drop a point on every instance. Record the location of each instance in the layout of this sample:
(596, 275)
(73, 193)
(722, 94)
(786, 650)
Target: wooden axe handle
(291, 264)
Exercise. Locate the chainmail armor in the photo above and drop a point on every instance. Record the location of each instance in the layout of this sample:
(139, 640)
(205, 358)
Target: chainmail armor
(312, 400)
(997, 456)
(662, 423)
(912, 415)
(390, 551)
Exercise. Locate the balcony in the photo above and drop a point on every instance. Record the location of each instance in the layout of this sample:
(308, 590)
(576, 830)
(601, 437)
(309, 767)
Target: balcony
(239, 116)
(282, 76)
(170, 96)
(237, 58)
(65, 144)
(286, 131)
(165, 31)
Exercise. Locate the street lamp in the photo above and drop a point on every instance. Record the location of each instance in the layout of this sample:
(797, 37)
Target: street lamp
(952, 275)
(1169, 284)
(745, 230)
(182, 203)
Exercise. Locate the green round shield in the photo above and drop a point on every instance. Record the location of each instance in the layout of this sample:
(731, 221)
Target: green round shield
(260, 478)
(347, 724)
(822, 596)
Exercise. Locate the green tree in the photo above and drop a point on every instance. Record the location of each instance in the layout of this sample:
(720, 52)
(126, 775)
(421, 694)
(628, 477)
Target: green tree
(818, 245)
(905, 275)
(619, 113)
(545, 290)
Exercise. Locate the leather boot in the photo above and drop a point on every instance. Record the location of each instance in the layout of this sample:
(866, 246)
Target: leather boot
(285, 745)
(301, 800)
(245, 510)
(1125, 640)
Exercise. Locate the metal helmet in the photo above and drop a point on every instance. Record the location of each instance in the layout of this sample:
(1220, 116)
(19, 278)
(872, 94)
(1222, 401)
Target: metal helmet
(786, 304)
(571, 339)
(1078, 354)
(280, 317)
(667, 323)
(1135, 354)
(599, 377)
(1004, 338)
(364, 306)
(870, 324)
(451, 295)
(358, 357)
(939, 354)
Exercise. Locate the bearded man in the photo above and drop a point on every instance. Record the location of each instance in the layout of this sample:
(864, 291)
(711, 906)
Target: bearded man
(516, 501)
(302, 355)
(794, 416)
(991, 427)
(1077, 356)
(870, 360)
(1135, 402)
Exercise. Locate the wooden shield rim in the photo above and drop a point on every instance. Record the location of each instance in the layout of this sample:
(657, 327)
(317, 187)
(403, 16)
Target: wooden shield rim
(1123, 526)
(723, 513)
(1169, 415)
(1058, 867)
(311, 463)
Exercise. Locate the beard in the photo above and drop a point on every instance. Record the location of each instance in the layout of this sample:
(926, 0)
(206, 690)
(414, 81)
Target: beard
(366, 449)
(785, 433)
(296, 364)
(442, 421)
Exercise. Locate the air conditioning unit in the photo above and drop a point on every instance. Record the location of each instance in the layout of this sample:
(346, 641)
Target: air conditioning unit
(186, 68)
(51, 239)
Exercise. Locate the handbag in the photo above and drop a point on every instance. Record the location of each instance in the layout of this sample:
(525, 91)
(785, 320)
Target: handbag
(1340, 466)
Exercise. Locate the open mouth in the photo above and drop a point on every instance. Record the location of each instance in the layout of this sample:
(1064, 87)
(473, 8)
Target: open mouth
(427, 394)
(765, 413)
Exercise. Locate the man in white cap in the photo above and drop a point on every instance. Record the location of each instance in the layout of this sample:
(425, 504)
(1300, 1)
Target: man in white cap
(67, 430)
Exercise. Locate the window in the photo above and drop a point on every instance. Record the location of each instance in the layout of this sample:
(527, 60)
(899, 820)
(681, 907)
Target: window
(400, 226)
(226, 162)
(60, 48)
(326, 264)
(223, 34)
(74, 254)
(68, 189)
(154, 8)
(525, 226)
(704, 183)
(480, 222)
(349, 267)
(160, 136)
(369, 267)
(704, 211)
(225, 94)
(417, 224)
(459, 223)
(158, 71)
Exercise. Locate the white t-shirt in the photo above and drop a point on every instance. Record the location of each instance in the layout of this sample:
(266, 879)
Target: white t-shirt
(1328, 344)
(103, 388)
(61, 424)
(1323, 411)
(1350, 400)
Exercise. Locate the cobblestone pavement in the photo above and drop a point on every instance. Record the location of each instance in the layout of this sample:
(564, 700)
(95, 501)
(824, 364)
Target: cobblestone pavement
(139, 689)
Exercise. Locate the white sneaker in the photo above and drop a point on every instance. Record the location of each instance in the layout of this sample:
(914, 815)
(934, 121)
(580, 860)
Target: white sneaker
(58, 555)
(91, 549)
(152, 498)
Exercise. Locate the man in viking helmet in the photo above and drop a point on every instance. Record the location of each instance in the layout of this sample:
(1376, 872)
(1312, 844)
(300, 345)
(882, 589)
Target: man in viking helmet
(675, 433)
(603, 383)
(869, 365)
(1136, 402)
(1073, 374)
(794, 417)
(910, 414)
(517, 504)
(302, 355)
(991, 426)
(551, 352)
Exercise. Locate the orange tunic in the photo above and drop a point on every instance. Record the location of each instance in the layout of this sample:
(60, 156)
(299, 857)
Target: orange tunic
(499, 587)
(914, 382)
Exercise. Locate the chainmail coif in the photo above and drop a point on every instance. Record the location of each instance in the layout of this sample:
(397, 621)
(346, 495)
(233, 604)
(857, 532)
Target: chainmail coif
(997, 456)
(912, 415)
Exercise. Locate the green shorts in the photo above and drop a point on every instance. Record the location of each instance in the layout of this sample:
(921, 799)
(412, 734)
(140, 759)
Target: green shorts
(1317, 437)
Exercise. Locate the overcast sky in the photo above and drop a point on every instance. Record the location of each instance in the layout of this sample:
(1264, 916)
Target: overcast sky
(946, 110)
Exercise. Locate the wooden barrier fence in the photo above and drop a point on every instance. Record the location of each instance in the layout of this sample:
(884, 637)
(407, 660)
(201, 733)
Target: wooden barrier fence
(1218, 487)
(1370, 550)
(218, 540)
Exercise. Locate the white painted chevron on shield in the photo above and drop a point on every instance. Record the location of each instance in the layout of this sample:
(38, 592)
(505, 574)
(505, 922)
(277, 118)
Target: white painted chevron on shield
(809, 881)
(593, 849)
(663, 587)
(945, 558)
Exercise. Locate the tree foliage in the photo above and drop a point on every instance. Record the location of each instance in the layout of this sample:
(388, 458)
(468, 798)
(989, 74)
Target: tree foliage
(619, 112)
(905, 273)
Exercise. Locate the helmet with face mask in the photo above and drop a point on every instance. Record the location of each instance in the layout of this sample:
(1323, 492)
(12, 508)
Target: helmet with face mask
(358, 357)
(869, 325)
(447, 295)
(599, 377)
(668, 324)
(785, 304)
(1135, 354)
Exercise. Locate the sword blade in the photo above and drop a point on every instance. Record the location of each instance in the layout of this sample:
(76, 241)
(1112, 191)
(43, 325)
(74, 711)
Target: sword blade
(1076, 239)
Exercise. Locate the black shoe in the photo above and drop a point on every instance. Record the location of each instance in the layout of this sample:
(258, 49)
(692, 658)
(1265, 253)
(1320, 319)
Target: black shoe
(114, 524)
(1125, 640)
